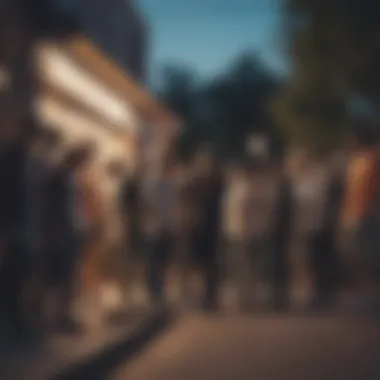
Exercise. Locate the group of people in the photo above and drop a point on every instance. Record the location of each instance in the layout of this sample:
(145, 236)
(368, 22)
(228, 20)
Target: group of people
(237, 223)
(231, 223)
(182, 214)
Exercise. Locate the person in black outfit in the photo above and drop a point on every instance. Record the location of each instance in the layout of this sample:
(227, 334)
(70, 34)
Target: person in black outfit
(159, 198)
(206, 240)
(67, 232)
(131, 210)
(281, 244)
(324, 255)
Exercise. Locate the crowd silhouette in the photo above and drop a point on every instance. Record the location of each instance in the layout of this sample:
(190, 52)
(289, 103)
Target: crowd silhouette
(232, 223)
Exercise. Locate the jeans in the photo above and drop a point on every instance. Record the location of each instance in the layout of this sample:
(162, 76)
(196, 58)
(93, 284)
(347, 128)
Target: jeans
(64, 257)
(324, 267)
(158, 251)
(208, 261)
(239, 273)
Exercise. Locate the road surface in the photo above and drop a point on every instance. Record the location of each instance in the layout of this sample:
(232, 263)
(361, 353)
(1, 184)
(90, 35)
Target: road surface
(201, 347)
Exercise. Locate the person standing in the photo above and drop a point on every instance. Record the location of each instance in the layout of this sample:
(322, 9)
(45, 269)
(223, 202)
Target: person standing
(320, 194)
(209, 191)
(185, 221)
(236, 219)
(326, 260)
(261, 223)
(68, 231)
(159, 195)
(282, 230)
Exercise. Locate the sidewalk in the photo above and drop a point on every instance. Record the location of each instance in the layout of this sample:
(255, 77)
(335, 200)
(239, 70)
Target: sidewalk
(43, 358)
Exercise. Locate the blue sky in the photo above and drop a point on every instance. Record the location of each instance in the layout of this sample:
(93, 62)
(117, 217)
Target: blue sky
(208, 34)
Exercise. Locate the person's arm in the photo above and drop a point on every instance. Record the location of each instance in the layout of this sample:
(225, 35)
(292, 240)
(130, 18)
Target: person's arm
(357, 194)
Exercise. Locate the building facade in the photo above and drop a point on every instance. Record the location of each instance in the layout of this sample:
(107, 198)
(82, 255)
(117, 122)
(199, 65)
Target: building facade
(54, 75)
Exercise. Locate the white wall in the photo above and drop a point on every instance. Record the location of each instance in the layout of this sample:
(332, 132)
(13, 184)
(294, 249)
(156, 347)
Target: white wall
(76, 128)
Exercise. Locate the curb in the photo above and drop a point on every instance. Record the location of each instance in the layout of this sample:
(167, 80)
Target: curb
(100, 365)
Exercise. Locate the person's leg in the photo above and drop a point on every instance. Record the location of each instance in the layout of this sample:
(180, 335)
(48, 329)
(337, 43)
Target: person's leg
(244, 274)
(184, 252)
(328, 285)
(255, 264)
(211, 274)
(131, 264)
(231, 271)
(67, 294)
(264, 260)
(155, 268)
(280, 278)
(150, 248)
(67, 286)
(319, 270)
(18, 277)
(313, 261)
(11, 282)
(166, 261)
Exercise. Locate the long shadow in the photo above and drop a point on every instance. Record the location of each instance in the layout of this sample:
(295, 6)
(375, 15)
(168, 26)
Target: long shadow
(102, 365)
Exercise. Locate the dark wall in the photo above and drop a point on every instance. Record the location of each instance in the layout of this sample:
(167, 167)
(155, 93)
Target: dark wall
(120, 31)
(22, 24)
(52, 17)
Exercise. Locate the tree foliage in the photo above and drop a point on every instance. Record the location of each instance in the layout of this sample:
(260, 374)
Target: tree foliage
(335, 50)
(224, 109)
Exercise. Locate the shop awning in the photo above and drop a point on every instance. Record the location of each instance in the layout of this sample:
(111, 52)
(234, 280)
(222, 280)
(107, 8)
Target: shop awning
(115, 78)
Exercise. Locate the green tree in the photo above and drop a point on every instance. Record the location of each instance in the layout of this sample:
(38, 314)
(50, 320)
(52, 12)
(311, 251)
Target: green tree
(238, 101)
(226, 108)
(334, 47)
(178, 90)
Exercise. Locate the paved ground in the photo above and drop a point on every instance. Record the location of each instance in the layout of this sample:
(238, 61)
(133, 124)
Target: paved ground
(261, 347)
(41, 358)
